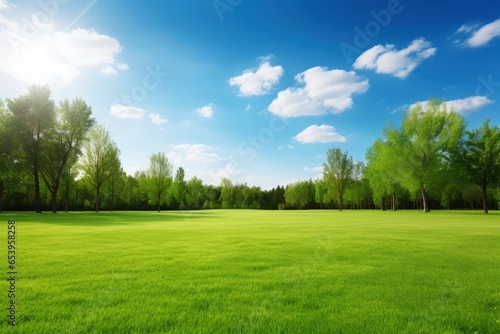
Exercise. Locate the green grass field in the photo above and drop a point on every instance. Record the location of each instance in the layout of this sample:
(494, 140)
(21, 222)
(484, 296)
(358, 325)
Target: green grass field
(255, 272)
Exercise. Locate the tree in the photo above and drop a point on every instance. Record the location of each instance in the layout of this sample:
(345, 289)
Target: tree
(300, 194)
(382, 171)
(179, 187)
(159, 178)
(424, 140)
(6, 150)
(338, 169)
(32, 118)
(100, 160)
(64, 142)
(478, 158)
(195, 193)
(356, 189)
(227, 194)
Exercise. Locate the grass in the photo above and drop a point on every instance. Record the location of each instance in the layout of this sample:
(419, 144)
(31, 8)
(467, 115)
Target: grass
(256, 272)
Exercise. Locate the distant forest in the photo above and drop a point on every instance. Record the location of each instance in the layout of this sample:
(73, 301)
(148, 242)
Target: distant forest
(56, 158)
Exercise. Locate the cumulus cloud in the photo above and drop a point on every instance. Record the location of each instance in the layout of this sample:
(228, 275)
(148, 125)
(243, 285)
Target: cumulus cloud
(323, 91)
(257, 81)
(156, 118)
(320, 134)
(387, 60)
(206, 111)
(478, 35)
(42, 54)
(462, 106)
(196, 152)
(122, 111)
(4, 4)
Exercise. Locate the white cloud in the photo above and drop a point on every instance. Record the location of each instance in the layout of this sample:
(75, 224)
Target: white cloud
(175, 158)
(44, 55)
(387, 60)
(4, 4)
(122, 66)
(320, 134)
(485, 34)
(196, 152)
(462, 106)
(108, 70)
(229, 171)
(467, 28)
(122, 111)
(156, 119)
(257, 81)
(324, 91)
(318, 169)
(206, 111)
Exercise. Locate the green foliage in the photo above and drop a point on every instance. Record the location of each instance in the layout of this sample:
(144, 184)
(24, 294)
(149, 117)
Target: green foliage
(478, 158)
(338, 170)
(32, 120)
(423, 142)
(158, 178)
(63, 143)
(300, 194)
(195, 193)
(100, 160)
(179, 187)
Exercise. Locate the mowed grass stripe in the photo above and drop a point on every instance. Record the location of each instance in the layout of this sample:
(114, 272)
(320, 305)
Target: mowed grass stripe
(257, 272)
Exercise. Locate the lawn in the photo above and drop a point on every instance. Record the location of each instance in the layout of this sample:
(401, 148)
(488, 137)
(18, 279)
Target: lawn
(255, 272)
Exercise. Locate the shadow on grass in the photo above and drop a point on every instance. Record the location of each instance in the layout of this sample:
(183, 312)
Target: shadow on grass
(106, 218)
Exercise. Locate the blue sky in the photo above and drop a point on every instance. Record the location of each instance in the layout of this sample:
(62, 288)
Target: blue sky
(256, 91)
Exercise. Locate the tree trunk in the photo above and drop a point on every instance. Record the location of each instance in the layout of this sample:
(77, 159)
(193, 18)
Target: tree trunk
(38, 208)
(66, 198)
(383, 203)
(341, 204)
(158, 203)
(425, 200)
(97, 200)
(485, 199)
(1, 196)
(54, 197)
(393, 199)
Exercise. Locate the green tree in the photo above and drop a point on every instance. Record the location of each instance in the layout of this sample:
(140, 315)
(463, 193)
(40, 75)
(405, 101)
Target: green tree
(227, 194)
(300, 194)
(64, 142)
(32, 119)
(382, 171)
(100, 160)
(159, 178)
(338, 170)
(424, 140)
(195, 193)
(7, 149)
(179, 187)
(478, 158)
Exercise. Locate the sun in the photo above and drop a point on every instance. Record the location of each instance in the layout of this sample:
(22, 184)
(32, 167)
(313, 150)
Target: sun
(39, 62)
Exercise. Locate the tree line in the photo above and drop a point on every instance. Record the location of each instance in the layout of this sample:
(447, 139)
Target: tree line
(55, 157)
